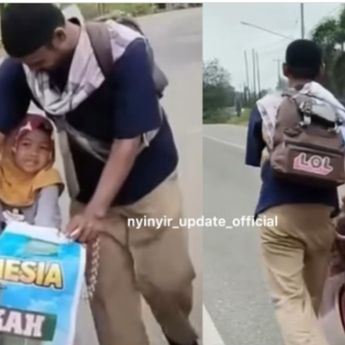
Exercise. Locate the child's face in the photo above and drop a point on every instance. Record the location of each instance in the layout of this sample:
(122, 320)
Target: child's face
(33, 151)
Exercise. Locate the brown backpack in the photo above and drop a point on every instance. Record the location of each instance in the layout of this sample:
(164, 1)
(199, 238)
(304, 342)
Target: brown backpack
(308, 146)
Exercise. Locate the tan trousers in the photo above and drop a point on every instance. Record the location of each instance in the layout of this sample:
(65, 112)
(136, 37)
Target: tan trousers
(148, 262)
(295, 257)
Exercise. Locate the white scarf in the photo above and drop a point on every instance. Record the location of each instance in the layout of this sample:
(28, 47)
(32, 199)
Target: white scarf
(85, 75)
(268, 105)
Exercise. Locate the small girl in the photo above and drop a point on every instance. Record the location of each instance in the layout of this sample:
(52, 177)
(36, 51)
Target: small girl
(29, 186)
(29, 191)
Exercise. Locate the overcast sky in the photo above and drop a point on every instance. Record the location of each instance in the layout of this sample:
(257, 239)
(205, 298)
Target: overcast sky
(225, 38)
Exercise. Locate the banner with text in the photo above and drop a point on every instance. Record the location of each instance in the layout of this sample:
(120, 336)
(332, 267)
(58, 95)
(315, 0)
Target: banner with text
(41, 276)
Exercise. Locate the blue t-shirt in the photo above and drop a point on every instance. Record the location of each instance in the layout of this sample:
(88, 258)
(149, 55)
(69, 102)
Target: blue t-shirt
(125, 106)
(274, 191)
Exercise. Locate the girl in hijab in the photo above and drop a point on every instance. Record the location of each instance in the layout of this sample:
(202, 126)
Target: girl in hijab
(29, 191)
(29, 185)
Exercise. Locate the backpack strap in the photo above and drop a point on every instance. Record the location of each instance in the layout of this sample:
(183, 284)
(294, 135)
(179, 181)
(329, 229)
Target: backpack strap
(101, 45)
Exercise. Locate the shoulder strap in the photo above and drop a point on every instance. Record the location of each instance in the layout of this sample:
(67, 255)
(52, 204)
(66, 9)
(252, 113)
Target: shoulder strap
(101, 45)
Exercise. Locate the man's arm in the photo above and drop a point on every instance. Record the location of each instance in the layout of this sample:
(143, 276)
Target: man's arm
(136, 111)
(14, 96)
(255, 141)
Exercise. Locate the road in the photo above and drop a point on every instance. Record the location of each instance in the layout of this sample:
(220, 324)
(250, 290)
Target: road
(176, 39)
(235, 293)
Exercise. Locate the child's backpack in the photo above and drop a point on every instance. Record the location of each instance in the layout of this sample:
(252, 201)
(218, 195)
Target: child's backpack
(308, 146)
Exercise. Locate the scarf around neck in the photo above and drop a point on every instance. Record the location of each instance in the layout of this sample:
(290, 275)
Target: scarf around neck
(84, 76)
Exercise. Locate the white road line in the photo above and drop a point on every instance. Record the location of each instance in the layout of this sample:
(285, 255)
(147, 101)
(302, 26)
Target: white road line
(210, 334)
(228, 143)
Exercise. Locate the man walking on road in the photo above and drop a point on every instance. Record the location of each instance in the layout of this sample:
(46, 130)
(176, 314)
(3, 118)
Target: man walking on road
(295, 252)
(126, 169)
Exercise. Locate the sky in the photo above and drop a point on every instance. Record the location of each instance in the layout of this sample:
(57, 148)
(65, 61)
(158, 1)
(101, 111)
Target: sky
(225, 38)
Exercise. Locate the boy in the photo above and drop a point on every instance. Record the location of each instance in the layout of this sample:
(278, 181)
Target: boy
(296, 252)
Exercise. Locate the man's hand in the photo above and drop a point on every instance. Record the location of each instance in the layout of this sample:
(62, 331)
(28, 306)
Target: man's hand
(85, 226)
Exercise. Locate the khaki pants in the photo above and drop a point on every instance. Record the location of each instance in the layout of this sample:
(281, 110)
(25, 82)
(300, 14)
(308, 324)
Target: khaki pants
(148, 262)
(295, 257)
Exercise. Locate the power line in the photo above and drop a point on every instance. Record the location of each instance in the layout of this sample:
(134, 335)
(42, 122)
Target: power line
(328, 14)
(271, 47)
(274, 51)
(333, 10)
(267, 30)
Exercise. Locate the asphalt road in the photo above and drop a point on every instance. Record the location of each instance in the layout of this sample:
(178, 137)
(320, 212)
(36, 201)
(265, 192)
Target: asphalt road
(176, 39)
(235, 292)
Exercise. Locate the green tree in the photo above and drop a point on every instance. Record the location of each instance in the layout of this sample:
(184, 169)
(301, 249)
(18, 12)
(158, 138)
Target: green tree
(217, 90)
(330, 35)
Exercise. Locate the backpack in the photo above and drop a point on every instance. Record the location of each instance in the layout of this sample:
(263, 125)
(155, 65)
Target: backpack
(308, 146)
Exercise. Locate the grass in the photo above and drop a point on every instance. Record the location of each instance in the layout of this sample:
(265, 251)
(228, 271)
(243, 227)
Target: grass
(133, 9)
(215, 118)
(93, 10)
(233, 120)
(242, 120)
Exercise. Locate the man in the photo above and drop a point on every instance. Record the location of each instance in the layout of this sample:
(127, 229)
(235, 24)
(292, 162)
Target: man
(53, 63)
(296, 252)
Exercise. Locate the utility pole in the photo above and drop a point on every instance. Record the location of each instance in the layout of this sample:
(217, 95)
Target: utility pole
(254, 72)
(258, 72)
(246, 66)
(278, 69)
(247, 93)
(302, 21)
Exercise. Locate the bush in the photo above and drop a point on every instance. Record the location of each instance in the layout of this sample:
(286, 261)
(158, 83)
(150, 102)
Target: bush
(240, 120)
(221, 116)
(94, 10)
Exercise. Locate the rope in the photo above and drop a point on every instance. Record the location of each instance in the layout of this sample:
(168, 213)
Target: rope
(91, 278)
